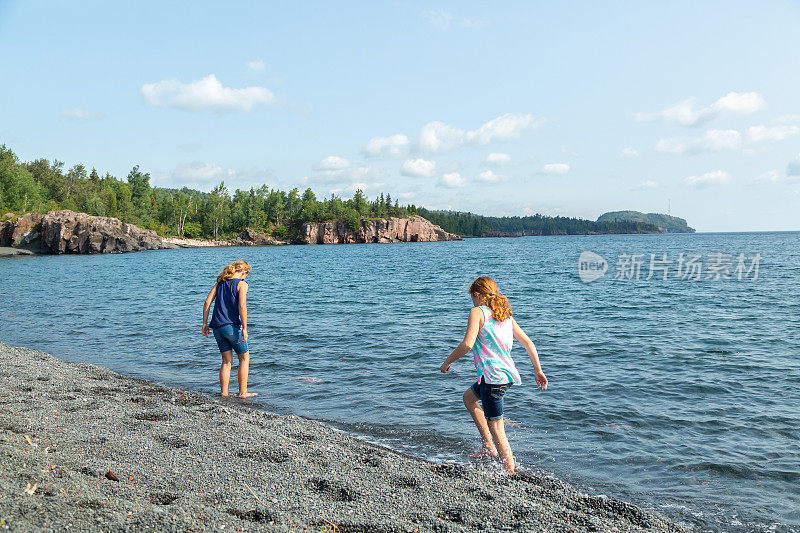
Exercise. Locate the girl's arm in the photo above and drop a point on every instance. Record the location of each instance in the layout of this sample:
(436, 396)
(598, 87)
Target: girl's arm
(473, 327)
(243, 308)
(210, 298)
(523, 339)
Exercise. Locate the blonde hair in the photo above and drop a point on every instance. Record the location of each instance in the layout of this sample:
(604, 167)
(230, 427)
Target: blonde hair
(230, 270)
(486, 287)
(241, 266)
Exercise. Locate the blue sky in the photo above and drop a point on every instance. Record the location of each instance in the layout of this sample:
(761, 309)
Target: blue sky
(502, 108)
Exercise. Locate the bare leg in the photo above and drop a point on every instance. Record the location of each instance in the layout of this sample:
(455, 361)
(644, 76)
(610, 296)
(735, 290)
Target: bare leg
(473, 405)
(244, 369)
(498, 431)
(225, 371)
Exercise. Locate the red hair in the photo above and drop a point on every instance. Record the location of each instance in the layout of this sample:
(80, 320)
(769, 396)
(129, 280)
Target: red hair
(485, 287)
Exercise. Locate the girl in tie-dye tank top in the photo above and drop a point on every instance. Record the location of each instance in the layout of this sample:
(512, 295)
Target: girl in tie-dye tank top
(490, 334)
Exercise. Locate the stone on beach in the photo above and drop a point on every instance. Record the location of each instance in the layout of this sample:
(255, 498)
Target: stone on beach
(185, 461)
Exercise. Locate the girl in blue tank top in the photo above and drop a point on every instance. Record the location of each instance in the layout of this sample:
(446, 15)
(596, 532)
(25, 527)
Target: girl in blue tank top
(229, 323)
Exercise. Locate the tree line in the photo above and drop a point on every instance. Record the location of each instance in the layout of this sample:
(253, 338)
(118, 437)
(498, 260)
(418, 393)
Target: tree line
(42, 185)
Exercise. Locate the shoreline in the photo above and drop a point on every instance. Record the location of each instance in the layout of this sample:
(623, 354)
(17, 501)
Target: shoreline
(85, 447)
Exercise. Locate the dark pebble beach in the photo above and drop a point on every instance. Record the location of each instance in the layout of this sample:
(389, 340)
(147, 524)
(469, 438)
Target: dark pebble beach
(85, 448)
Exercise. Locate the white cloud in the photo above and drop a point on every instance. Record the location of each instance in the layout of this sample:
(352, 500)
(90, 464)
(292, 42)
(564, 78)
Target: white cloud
(438, 18)
(406, 195)
(438, 136)
(256, 67)
(774, 133)
(332, 162)
(207, 93)
(717, 140)
(392, 146)
(452, 180)
(770, 176)
(793, 168)
(364, 186)
(420, 168)
(718, 177)
(687, 113)
(646, 185)
(80, 115)
(555, 169)
(205, 176)
(711, 141)
(490, 176)
(629, 153)
(441, 19)
(498, 159)
(353, 174)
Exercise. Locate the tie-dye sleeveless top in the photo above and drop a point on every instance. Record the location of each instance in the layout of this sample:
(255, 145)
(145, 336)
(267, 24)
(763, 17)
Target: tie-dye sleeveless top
(492, 351)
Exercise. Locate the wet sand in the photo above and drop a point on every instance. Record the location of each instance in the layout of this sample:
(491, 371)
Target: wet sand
(97, 450)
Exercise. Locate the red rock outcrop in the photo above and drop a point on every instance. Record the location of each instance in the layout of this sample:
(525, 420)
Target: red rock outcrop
(412, 229)
(67, 232)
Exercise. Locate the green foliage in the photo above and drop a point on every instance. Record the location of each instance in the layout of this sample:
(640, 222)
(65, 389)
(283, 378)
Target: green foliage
(668, 223)
(42, 185)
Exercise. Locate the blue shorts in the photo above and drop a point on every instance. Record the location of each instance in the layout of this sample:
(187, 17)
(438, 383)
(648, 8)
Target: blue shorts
(491, 397)
(229, 338)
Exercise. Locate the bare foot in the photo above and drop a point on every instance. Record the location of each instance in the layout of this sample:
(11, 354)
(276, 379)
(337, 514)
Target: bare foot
(483, 453)
(247, 394)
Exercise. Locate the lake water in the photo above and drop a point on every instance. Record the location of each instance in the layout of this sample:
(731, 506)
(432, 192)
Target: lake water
(680, 395)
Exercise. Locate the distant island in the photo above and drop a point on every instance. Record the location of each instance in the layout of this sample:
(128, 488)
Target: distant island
(664, 223)
(42, 186)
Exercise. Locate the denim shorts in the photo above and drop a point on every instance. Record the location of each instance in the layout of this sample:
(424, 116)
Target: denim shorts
(491, 397)
(229, 337)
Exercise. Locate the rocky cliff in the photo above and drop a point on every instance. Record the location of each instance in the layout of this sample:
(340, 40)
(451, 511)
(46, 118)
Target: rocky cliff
(412, 229)
(67, 232)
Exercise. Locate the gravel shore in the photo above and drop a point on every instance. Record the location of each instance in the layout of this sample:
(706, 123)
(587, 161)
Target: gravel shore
(85, 448)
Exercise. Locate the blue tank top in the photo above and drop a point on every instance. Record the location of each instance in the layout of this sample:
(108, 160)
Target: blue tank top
(226, 304)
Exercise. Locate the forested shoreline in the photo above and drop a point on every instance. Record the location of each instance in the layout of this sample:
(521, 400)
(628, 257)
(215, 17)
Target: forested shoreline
(41, 185)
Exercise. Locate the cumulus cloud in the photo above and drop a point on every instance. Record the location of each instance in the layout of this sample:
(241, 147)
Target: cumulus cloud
(80, 115)
(439, 137)
(555, 169)
(770, 176)
(392, 146)
(490, 176)
(717, 140)
(687, 113)
(452, 180)
(256, 67)
(758, 134)
(646, 185)
(419, 168)
(207, 175)
(350, 174)
(498, 159)
(438, 18)
(711, 141)
(365, 187)
(629, 153)
(332, 162)
(718, 177)
(441, 19)
(207, 93)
